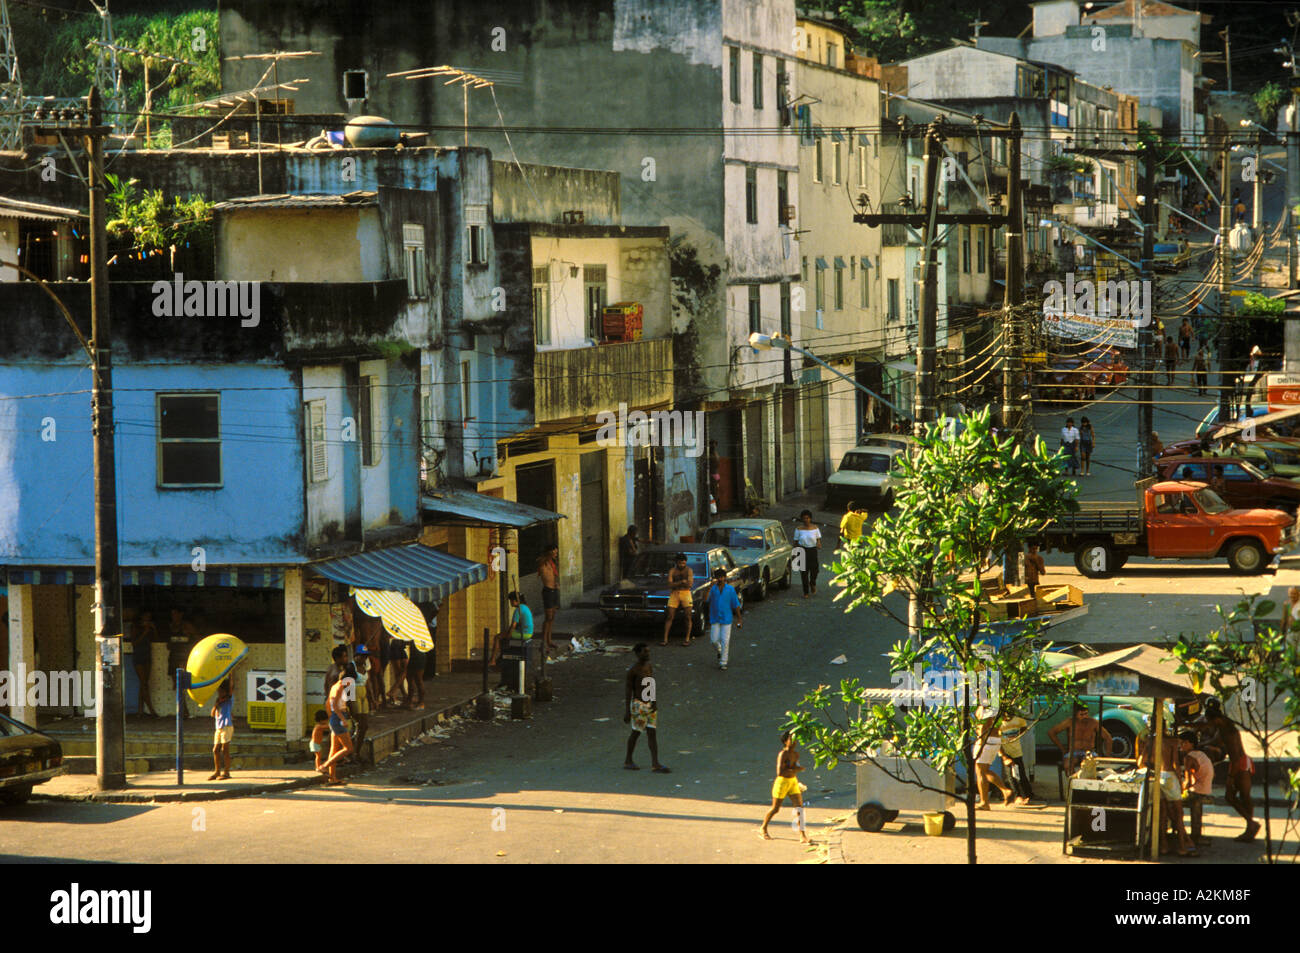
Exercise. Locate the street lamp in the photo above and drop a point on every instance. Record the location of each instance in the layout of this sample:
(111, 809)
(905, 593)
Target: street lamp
(767, 342)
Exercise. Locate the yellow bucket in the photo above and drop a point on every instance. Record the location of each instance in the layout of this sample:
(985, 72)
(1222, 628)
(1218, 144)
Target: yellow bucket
(933, 824)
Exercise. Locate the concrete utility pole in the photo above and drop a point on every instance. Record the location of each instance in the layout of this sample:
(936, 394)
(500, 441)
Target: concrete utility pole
(928, 320)
(110, 726)
(1013, 418)
(1146, 365)
(1225, 345)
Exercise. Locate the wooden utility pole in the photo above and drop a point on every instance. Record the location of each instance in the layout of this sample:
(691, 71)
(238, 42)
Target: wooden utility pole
(1146, 326)
(110, 726)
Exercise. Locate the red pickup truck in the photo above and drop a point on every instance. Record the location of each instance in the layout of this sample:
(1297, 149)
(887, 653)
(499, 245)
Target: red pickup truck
(1174, 519)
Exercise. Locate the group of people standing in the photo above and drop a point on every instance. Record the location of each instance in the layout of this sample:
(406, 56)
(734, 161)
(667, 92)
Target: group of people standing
(1078, 443)
(181, 637)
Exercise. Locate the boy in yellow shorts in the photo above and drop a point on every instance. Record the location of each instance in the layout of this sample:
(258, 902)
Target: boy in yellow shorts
(681, 583)
(787, 785)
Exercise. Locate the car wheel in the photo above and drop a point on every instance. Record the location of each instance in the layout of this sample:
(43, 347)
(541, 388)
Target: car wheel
(1246, 556)
(1123, 741)
(16, 795)
(887, 501)
(871, 818)
(787, 578)
(764, 584)
(1094, 559)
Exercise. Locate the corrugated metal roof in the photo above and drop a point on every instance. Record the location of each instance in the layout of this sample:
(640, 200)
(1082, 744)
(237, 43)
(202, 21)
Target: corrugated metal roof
(37, 211)
(419, 572)
(465, 507)
(304, 200)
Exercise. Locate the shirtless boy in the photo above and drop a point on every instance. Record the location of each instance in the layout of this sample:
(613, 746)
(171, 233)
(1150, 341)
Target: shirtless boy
(641, 708)
(1241, 770)
(1083, 737)
(787, 785)
(548, 568)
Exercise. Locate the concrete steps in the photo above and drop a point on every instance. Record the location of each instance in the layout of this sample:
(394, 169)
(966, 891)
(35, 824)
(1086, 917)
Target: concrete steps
(156, 751)
(85, 764)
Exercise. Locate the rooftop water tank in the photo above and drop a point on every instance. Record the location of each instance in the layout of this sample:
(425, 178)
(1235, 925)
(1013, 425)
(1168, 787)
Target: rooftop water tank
(372, 132)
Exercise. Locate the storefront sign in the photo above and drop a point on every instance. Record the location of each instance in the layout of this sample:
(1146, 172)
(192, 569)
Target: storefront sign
(1112, 681)
(1100, 331)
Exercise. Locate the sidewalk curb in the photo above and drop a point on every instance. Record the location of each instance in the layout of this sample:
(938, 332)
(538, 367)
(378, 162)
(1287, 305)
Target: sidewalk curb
(145, 797)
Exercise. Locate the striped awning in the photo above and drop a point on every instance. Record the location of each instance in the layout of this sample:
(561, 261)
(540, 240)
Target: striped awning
(421, 573)
(401, 617)
(242, 579)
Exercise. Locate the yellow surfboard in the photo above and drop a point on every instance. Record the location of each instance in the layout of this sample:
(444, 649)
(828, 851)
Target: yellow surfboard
(210, 661)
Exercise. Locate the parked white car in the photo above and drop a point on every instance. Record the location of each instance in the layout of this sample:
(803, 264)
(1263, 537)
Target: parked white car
(866, 475)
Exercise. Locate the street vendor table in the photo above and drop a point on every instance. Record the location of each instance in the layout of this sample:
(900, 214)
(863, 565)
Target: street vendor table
(1107, 815)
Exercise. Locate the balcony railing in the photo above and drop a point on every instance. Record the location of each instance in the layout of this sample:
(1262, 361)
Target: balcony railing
(579, 382)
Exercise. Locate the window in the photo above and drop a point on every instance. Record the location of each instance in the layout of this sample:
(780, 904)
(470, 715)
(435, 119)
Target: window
(839, 285)
(979, 250)
(803, 268)
(914, 189)
(189, 440)
(417, 273)
(832, 55)
(783, 197)
(893, 299)
(864, 285)
(596, 291)
(820, 290)
(317, 453)
(542, 305)
(466, 391)
(368, 412)
(862, 168)
(965, 249)
(836, 168)
(755, 311)
(853, 267)
(476, 234)
(354, 84)
(751, 195)
(785, 308)
(781, 97)
(735, 75)
(817, 160)
(758, 81)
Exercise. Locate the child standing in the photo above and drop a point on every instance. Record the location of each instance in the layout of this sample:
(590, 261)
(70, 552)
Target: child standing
(319, 735)
(787, 785)
(224, 733)
(1035, 568)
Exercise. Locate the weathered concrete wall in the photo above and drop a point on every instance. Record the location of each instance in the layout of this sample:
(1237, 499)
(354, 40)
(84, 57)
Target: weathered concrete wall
(289, 244)
(516, 195)
(961, 72)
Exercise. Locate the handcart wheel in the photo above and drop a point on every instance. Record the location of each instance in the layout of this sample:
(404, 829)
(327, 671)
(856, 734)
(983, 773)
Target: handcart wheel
(949, 821)
(891, 816)
(871, 817)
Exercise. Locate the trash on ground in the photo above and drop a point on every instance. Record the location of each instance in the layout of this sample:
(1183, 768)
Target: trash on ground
(839, 660)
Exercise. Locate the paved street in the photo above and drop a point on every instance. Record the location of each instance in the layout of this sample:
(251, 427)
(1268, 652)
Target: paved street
(552, 788)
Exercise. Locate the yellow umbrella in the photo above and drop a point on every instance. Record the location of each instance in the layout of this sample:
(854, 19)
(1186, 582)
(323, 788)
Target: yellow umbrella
(401, 617)
(210, 661)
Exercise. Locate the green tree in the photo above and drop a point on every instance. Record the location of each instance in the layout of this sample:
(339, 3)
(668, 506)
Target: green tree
(963, 496)
(1267, 100)
(1255, 671)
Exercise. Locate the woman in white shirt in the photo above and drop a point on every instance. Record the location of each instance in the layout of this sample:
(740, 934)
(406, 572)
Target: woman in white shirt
(808, 537)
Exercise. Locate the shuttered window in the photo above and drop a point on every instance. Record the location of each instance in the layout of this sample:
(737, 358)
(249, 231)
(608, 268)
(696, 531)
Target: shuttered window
(317, 456)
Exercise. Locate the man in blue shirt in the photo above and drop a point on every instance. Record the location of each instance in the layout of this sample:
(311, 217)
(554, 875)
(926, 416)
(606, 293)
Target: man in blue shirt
(723, 601)
(521, 621)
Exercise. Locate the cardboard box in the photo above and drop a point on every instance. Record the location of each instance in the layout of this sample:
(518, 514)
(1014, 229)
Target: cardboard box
(1059, 598)
(1014, 608)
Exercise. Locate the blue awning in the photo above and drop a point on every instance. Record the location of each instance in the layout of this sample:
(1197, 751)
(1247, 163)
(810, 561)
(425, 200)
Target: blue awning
(839, 262)
(821, 264)
(234, 578)
(463, 507)
(421, 573)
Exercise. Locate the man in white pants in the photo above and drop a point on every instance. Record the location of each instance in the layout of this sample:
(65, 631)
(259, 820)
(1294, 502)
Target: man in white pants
(723, 602)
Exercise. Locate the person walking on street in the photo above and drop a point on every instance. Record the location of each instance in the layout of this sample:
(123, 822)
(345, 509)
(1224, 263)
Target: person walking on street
(851, 524)
(336, 704)
(224, 733)
(1200, 371)
(1035, 568)
(1012, 729)
(143, 633)
(548, 570)
(723, 602)
(641, 708)
(1185, 334)
(808, 538)
(1171, 359)
(1070, 444)
(1086, 438)
(787, 785)
(681, 585)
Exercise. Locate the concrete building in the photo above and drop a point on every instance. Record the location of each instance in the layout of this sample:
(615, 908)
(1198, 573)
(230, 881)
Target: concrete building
(837, 310)
(666, 69)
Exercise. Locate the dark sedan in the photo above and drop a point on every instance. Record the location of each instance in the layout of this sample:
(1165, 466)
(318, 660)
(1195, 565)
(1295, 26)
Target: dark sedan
(642, 598)
(27, 757)
(1241, 484)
